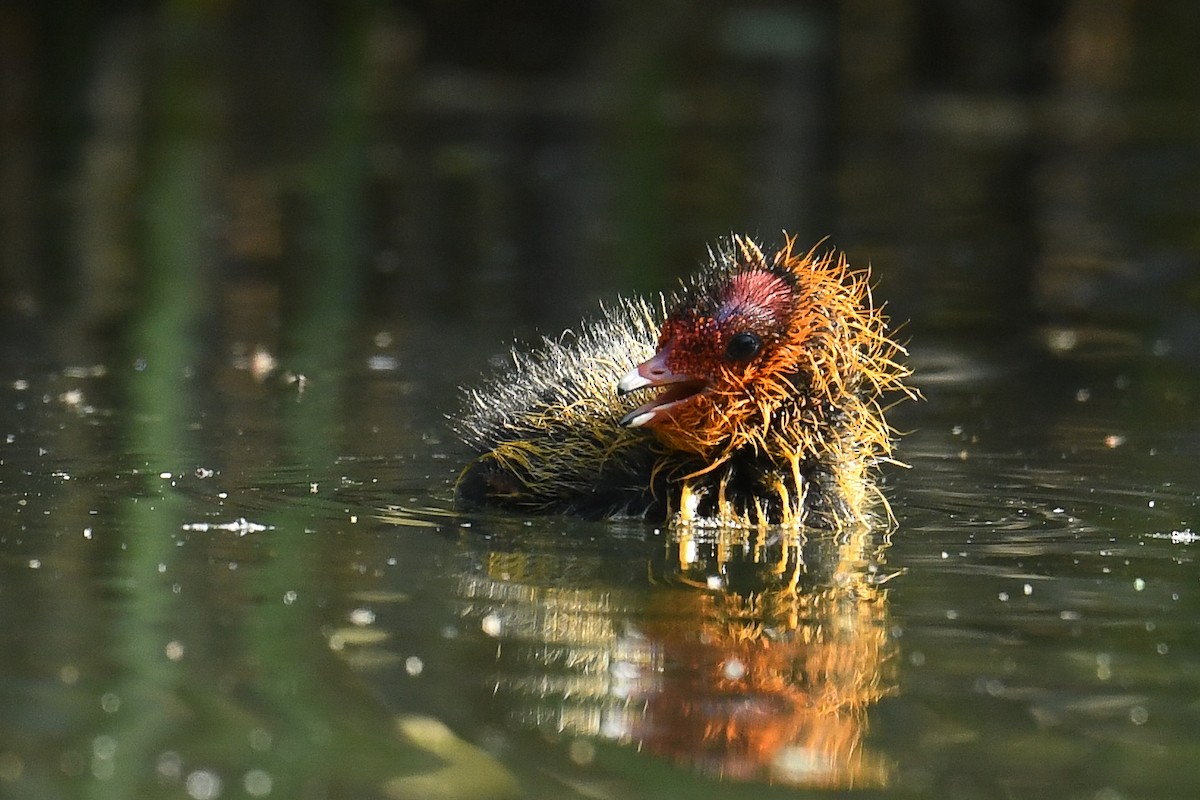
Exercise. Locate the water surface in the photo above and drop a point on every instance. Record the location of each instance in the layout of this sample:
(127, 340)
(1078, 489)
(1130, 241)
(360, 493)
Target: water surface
(253, 589)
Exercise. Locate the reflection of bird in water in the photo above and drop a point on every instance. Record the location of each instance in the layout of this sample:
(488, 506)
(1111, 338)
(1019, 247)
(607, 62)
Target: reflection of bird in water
(743, 658)
(767, 381)
(776, 678)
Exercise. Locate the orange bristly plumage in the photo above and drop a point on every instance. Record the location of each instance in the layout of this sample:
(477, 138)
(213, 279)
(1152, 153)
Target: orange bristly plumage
(769, 376)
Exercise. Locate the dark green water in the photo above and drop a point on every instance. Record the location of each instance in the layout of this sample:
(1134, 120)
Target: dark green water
(267, 590)
(250, 251)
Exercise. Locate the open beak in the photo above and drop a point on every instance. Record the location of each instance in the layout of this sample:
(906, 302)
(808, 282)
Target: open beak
(655, 372)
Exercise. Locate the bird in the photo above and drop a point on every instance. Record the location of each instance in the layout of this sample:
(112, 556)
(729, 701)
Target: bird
(753, 395)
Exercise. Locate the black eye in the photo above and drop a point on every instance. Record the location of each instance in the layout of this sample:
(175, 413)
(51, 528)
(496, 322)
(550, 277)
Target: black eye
(743, 346)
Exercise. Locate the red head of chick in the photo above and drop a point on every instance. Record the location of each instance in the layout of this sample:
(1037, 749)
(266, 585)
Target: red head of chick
(764, 402)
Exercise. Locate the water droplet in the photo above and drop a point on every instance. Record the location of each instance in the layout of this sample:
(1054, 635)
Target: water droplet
(734, 669)
(257, 783)
(203, 784)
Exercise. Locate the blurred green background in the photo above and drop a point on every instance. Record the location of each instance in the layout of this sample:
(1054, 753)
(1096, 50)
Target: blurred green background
(998, 162)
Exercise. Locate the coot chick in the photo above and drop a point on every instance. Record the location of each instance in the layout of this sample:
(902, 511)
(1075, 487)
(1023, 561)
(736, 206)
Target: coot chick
(762, 402)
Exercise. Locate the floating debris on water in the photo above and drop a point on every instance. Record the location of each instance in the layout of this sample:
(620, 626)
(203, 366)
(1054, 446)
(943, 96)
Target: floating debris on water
(1185, 536)
(72, 398)
(241, 526)
(84, 371)
(298, 380)
(382, 363)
